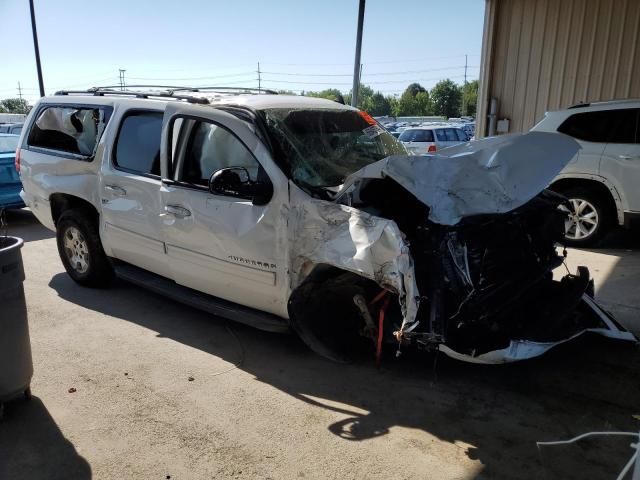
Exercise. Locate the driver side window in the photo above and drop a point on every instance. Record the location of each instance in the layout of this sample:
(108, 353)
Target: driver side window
(211, 147)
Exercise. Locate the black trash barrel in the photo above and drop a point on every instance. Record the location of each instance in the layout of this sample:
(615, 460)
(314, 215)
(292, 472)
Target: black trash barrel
(16, 365)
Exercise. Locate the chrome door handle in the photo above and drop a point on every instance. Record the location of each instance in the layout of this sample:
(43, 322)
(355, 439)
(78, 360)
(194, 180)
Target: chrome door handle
(116, 190)
(628, 157)
(177, 211)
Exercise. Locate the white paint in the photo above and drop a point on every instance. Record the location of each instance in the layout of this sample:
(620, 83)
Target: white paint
(492, 175)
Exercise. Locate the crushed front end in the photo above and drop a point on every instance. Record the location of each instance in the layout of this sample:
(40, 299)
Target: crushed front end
(489, 293)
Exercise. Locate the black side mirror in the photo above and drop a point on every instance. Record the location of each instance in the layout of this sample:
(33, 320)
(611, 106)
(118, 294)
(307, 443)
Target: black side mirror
(235, 182)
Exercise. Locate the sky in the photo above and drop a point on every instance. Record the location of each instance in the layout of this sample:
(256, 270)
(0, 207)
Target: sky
(300, 45)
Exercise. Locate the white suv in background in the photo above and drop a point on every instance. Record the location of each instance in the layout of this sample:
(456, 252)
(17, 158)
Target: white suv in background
(429, 139)
(603, 179)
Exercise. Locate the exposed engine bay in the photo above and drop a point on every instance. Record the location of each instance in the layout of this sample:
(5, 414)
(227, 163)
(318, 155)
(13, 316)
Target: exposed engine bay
(469, 259)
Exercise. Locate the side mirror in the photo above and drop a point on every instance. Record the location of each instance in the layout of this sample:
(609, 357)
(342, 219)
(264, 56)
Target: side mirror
(235, 182)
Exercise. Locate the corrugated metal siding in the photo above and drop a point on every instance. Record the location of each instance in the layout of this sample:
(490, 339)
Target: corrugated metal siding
(550, 54)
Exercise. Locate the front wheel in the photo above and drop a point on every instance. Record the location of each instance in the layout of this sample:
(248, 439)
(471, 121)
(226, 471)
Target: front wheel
(80, 249)
(587, 217)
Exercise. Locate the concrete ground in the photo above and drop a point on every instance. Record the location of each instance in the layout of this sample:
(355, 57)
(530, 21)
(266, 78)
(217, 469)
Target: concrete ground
(164, 391)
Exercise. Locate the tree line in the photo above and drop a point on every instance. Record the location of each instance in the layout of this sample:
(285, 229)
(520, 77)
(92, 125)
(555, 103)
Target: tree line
(14, 105)
(446, 99)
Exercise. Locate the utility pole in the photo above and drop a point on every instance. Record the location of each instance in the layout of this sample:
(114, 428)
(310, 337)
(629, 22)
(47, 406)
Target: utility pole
(36, 48)
(259, 80)
(122, 84)
(464, 90)
(19, 91)
(356, 64)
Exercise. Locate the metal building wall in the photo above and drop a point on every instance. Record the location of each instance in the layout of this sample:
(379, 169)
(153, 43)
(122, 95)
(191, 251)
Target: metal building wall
(543, 55)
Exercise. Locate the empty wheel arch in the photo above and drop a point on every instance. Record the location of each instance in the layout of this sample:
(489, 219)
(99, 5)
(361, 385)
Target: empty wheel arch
(324, 313)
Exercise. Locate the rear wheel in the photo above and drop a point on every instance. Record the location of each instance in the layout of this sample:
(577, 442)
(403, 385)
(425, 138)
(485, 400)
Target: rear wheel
(80, 249)
(589, 217)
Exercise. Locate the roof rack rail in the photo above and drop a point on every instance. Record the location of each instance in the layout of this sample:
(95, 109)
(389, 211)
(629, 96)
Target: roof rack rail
(579, 105)
(168, 91)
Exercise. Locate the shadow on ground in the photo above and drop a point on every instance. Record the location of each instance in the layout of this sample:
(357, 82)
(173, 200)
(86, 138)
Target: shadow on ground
(496, 414)
(32, 447)
(22, 223)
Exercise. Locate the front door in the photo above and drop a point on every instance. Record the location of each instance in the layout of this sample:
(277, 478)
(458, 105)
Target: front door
(224, 244)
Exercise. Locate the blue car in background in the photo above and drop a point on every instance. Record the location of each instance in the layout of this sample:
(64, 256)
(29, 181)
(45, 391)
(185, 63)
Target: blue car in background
(10, 184)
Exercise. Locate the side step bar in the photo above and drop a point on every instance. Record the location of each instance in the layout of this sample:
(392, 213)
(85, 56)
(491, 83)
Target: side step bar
(210, 304)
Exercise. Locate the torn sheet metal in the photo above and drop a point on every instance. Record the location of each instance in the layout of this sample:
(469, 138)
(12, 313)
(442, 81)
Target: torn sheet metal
(322, 232)
(492, 175)
(526, 349)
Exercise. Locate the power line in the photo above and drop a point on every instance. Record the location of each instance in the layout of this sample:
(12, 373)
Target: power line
(211, 77)
(368, 63)
(274, 80)
(376, 74)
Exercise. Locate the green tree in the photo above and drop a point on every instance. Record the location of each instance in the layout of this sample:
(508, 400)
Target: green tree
(446, 97)
(470, 98)
(415, 88)
(15, 105)
(379, 105)
(364, 101)
(424, 104)
(330, 94)
(414, 100)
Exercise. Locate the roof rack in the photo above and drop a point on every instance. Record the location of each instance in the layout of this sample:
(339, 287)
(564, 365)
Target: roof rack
(168, 91)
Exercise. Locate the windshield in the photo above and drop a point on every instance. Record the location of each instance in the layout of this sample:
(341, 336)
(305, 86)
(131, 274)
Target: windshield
(321, 147)
(8, 143)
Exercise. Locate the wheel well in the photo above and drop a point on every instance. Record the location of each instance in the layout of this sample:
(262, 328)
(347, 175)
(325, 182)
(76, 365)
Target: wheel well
(60, 202)
(594, 186)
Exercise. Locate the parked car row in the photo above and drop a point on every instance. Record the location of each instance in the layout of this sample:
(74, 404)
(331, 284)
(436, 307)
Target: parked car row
(428, 137)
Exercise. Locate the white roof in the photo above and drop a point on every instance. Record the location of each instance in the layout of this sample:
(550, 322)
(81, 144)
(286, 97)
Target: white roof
(261, 102)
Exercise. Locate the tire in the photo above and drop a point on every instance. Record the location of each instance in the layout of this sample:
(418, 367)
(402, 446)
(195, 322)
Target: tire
(587, 226)
(80, 249)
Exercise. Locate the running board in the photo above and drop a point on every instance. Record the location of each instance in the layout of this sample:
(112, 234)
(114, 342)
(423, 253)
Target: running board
(210, 304)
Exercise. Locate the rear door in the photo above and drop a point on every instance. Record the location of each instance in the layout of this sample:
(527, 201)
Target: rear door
(226, 244)
(130, 191)
(621, 157)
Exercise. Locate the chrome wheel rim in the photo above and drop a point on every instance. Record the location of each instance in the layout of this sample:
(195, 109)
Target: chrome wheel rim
(76, 249)
(582, 219)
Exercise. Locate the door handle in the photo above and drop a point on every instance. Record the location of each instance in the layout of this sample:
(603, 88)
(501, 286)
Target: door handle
(177, 211)
(116, 190)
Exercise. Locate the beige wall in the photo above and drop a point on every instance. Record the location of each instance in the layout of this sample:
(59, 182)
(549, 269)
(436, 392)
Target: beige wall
(543, 55)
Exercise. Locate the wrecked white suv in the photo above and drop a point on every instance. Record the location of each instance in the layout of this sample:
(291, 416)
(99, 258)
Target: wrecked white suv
(294, 212)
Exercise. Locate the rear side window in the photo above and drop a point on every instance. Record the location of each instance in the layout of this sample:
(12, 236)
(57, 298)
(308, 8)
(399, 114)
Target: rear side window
(137, 148)
(451, 134)
(607, 126)
(68, 129)
(462, 136)
(416, 136)
(440, 135)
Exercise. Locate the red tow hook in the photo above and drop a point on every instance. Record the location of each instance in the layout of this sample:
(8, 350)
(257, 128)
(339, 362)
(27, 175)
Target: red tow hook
(383, 310)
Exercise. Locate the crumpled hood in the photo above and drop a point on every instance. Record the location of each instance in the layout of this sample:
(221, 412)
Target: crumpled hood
(491, 175)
